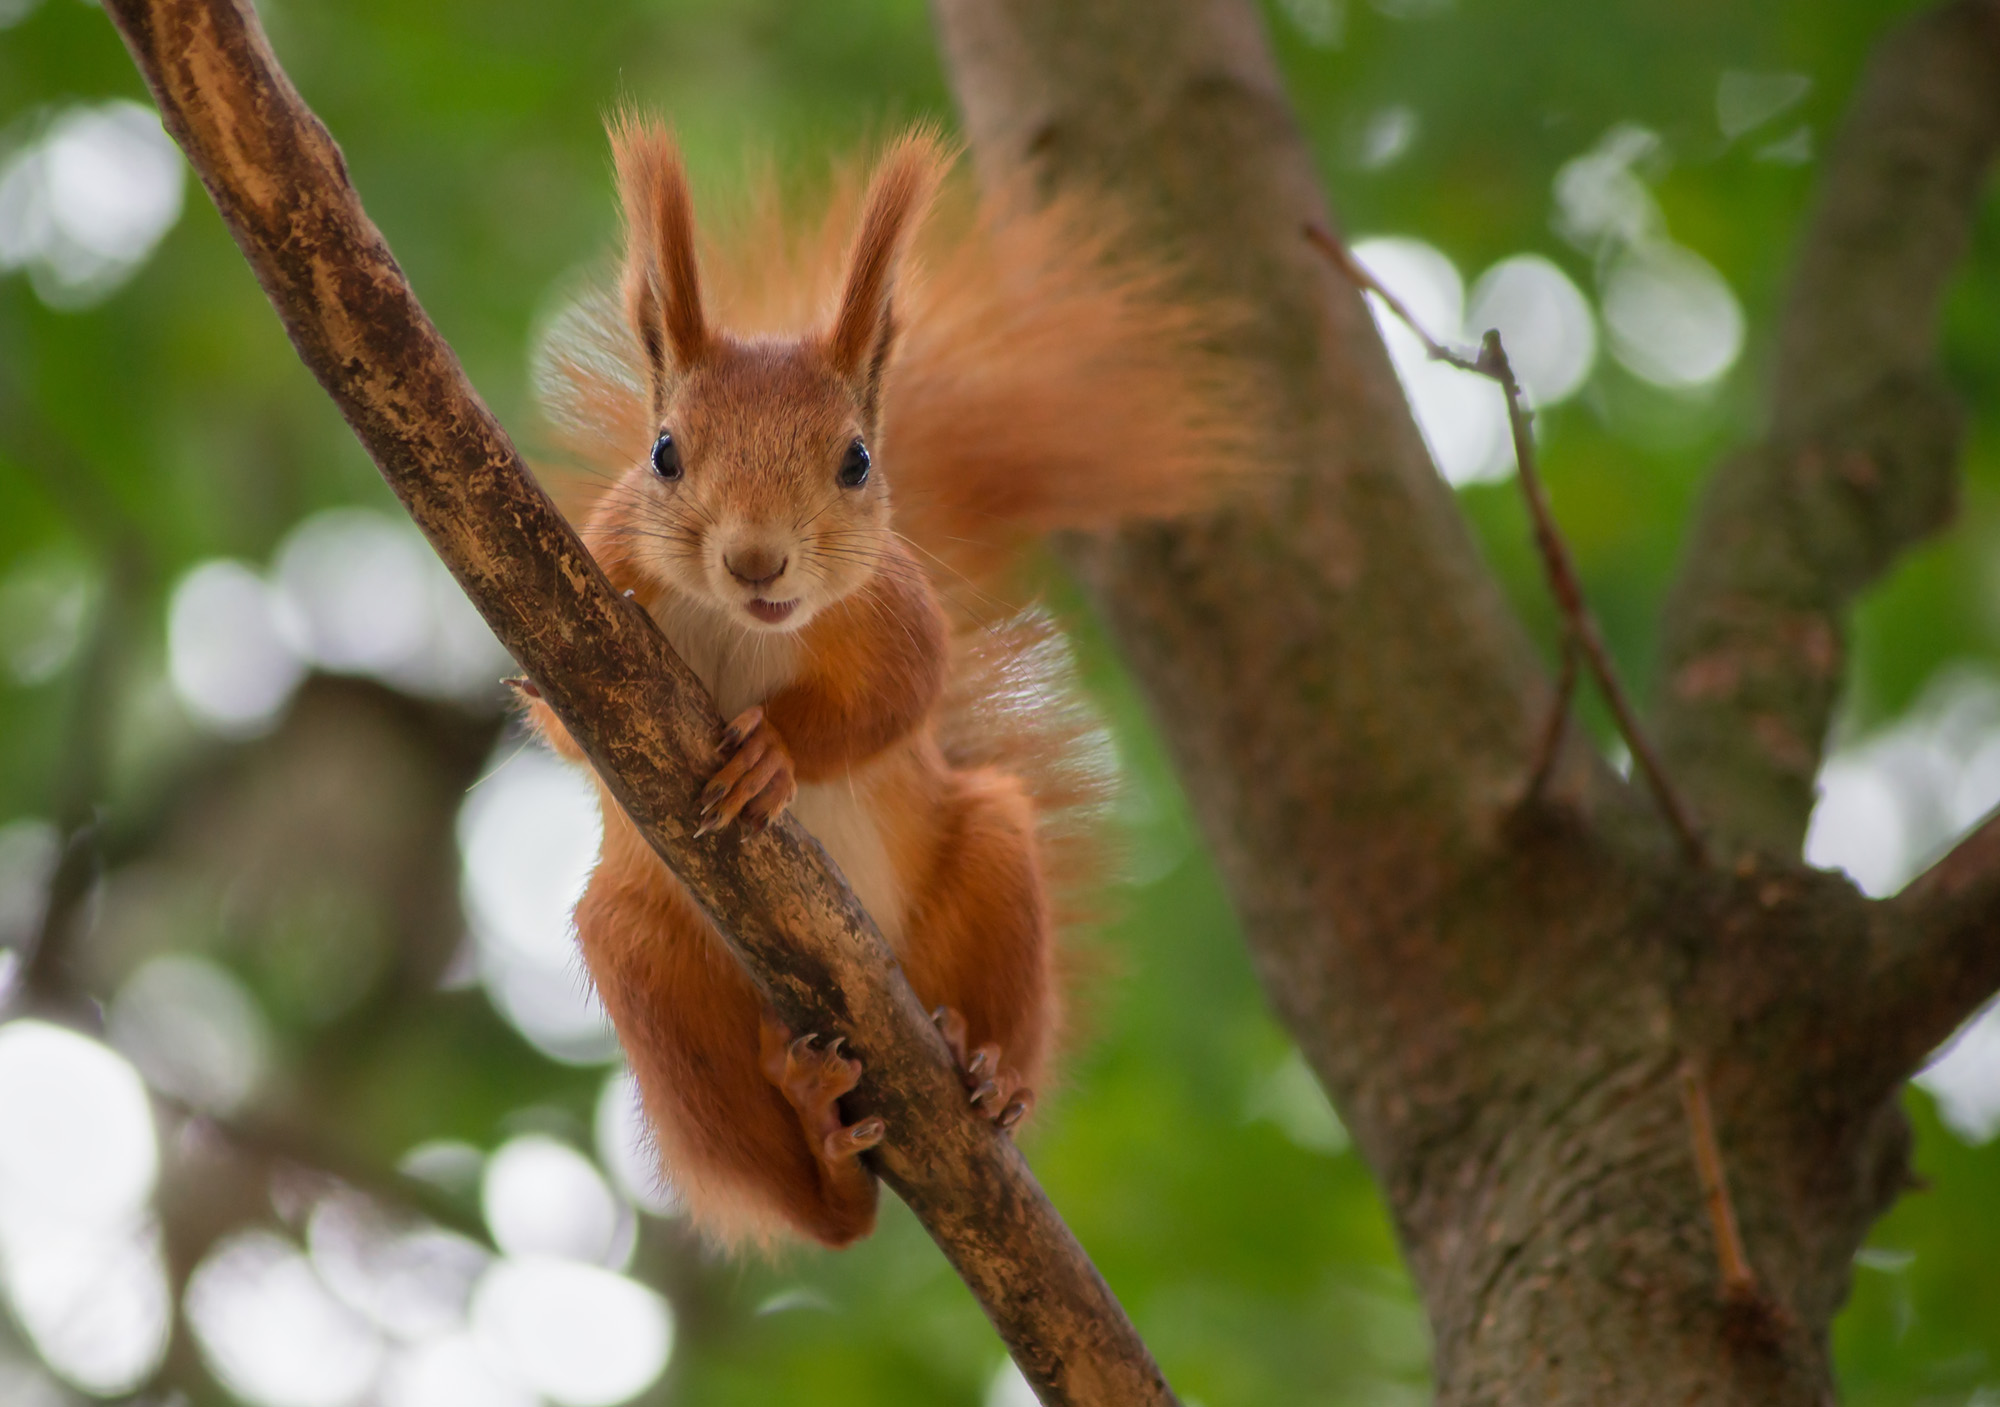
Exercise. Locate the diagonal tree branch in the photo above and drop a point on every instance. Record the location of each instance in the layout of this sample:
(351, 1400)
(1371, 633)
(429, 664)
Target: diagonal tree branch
(1860, 461)
(640, 714)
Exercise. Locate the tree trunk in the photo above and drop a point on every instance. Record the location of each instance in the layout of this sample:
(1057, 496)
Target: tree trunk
(1502, 995)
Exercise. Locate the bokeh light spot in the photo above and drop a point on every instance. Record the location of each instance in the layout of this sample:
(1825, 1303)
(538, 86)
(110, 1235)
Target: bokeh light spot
(272, 1331)
(192, 1028)
(581, 1335)
(1463, 416)
(1290, 1097)
(372, 598)
(412, 1280)
(626, 1149)
(1672, 318)
(1857, 826)
(93, 1298)
(229, 649)
(1387, 137)
(529, 837)
(1602, 202)
(449, 1163)
(543, 1198)
(82, 208)
(1544, 322)
(1321, 23)
(1891, 802)
(76, 1132)
(78, 1161)
(452, 1372)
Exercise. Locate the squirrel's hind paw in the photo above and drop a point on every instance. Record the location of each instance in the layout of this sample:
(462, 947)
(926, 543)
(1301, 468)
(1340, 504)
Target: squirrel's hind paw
(755, 783)
(813, 1076)
(992, 1087)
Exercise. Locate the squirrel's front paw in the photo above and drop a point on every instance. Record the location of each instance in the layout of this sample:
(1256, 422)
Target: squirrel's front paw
(755, 782)
(994, 1089)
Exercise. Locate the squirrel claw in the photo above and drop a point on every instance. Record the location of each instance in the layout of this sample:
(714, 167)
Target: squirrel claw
(990, 1087)
(755, 782)
(813, 1075)
(851, 1140)
(739, 728)
(524, 686)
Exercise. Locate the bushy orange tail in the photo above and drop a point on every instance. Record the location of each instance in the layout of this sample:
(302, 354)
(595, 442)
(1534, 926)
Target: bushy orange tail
(1050, 379)
(1014, 702)
(1047, 376)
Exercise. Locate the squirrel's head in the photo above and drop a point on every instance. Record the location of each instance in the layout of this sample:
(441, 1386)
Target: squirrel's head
(761, 494)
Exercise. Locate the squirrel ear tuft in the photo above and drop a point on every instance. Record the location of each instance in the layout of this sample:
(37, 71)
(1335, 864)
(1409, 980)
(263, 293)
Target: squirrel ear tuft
(662, 284)
(858, 342)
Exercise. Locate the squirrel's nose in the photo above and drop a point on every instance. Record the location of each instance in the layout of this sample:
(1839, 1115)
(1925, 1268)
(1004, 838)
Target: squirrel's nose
(755, 566)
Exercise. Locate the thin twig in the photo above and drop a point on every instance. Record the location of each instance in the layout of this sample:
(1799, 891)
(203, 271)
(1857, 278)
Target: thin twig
(1568, 590)
(1581, 626)
(1550, 748)
(1739, 1281)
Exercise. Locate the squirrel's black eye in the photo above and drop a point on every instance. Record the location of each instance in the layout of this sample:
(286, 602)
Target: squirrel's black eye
(666, 458)
(854, 466)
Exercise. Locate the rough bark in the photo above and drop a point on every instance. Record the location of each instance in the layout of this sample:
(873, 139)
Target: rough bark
(1500, 998)
(640, 714)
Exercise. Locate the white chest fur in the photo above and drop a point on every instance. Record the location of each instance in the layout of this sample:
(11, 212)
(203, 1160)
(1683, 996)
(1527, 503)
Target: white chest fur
(742, 668)
(841, 816)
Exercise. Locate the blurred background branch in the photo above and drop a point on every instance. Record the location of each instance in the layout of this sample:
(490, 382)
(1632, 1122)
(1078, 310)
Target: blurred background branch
(1941, 963)
(1861, 456)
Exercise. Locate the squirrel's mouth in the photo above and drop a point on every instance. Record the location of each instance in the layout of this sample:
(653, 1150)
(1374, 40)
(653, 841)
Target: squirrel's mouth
(773, 612)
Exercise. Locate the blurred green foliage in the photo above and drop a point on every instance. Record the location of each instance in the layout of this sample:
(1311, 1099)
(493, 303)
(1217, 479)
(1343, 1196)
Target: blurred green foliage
(170, 423)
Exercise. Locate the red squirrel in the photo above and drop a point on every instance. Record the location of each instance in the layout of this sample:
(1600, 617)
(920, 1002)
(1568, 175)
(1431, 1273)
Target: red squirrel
(1026, 382)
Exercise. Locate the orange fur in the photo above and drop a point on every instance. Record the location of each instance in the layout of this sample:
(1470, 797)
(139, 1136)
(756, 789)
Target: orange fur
(1018, 380)
(903, 186)
(662, 289)
(872, 673)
